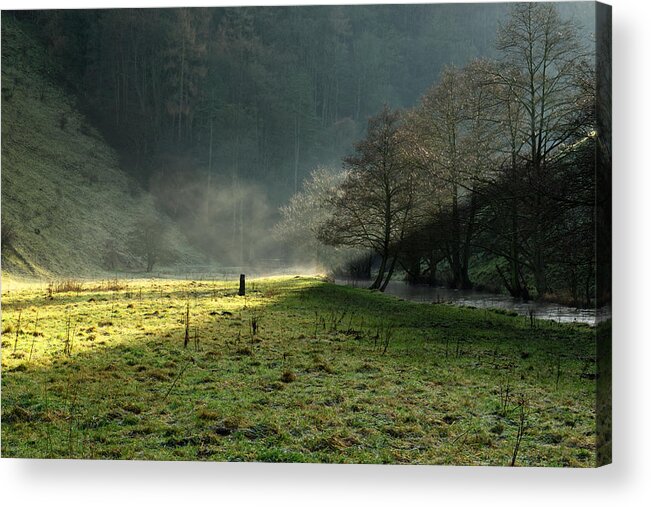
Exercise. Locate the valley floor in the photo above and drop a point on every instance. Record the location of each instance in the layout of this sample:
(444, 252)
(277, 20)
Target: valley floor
(299, 370)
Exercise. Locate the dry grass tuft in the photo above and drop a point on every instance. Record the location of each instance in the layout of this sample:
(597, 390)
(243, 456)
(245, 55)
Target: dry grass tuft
(288, 376)
(67, 285)
(112, 285)
(209, 415)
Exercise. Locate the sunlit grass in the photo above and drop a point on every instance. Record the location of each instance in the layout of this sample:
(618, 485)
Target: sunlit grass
(331, 374)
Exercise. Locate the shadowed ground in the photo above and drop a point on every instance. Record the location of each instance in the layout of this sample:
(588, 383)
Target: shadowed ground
(331, 374)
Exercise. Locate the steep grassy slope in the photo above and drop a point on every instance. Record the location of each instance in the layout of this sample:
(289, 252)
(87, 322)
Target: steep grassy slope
(63, 193)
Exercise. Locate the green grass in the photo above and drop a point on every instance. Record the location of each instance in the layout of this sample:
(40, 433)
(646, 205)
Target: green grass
(63, 191)
(97, 373)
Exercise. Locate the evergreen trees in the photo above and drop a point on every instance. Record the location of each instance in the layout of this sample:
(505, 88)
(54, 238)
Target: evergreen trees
(252, 93)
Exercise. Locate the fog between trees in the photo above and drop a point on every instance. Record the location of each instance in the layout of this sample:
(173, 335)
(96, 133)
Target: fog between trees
(495, 166)
(250, 127)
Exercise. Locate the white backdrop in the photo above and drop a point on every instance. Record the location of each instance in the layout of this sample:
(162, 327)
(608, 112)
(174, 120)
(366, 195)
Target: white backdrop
(626, 482)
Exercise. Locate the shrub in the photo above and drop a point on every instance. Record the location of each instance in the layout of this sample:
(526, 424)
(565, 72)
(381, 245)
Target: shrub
(110, 256)
(147, 241)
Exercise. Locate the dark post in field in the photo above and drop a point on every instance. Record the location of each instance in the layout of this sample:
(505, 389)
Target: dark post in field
(242, 290)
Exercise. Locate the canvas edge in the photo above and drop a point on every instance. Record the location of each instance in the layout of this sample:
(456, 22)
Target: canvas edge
(603, 218)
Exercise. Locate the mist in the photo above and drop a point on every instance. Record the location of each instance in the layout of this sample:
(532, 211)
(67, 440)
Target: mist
(225, 119)
(228, 221)
(281, 234)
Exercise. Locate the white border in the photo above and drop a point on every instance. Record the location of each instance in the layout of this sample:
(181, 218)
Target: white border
(626, 482)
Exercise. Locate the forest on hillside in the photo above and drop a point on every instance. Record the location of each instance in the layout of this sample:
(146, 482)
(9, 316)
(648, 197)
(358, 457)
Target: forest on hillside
(450, 143)
(244, 93)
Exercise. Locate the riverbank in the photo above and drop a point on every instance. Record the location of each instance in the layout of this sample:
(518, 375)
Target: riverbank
(544, 310)
(298, 370)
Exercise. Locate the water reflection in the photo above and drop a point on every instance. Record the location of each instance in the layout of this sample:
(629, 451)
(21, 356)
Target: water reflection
(540, 310)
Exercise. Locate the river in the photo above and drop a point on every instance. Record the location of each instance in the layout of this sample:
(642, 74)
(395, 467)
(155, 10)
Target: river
(477, 299)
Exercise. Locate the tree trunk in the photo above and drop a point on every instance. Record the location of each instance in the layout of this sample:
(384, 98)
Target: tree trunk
(389, 273)
(380, 275)
(182, 79)
(515, 287)
(412, 267)
(470, 226)
(455, 260)
(297, 148)
(210, 156)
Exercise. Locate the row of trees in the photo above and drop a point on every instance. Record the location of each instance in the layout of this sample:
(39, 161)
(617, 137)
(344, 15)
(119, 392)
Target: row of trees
(495, 166)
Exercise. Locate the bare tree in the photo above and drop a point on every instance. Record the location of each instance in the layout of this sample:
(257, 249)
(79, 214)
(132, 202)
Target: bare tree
(542, 58)
(305, 214)
(147, 240)
(450, 142)
(373, 208)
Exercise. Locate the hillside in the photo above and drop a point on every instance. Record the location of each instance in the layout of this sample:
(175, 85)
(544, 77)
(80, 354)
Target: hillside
(66, 204)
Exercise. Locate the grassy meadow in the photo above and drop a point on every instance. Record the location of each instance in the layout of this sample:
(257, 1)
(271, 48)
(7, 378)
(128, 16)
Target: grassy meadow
(298, 370)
